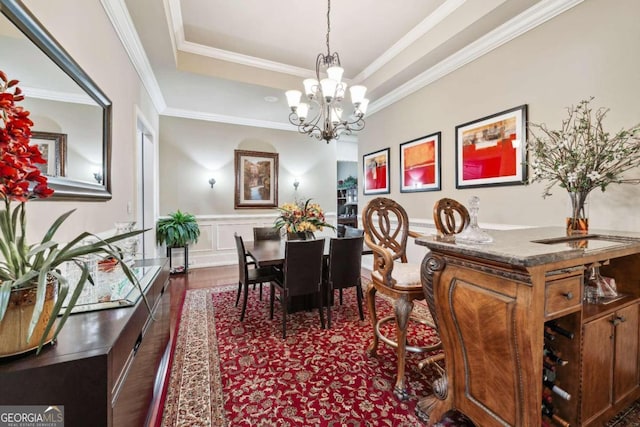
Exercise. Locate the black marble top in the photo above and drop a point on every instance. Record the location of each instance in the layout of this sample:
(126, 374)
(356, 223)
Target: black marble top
(534, 246)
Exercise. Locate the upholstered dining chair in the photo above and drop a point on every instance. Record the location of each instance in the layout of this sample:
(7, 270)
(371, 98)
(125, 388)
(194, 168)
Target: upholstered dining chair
(265, 233)
(344, 270)
(301, 275)
(249, 276)
(386, 231)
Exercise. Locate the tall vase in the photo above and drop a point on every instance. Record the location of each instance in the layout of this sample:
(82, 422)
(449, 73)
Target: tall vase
(578, 219)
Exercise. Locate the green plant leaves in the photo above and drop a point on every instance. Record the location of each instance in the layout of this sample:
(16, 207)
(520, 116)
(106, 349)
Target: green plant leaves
(178, 229)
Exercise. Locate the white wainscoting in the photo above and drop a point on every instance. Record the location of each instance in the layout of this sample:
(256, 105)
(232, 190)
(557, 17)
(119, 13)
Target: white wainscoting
(216, 246)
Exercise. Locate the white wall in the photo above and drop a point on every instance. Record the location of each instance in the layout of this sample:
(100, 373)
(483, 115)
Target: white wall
(192, 151)
(590, 50)
(85, 31)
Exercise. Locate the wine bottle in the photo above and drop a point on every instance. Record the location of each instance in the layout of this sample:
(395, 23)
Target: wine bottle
(554, 357)
(554, 388)
(549, 335)
(553, 326)
(549, 412)
(548, 364)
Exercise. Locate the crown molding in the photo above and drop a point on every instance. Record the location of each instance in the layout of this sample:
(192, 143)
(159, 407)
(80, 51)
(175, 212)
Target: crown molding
(435, 18)
(527, 20)
(121, 20)
(221, 118)
(238, 58)
(74, 98)
(241, 121)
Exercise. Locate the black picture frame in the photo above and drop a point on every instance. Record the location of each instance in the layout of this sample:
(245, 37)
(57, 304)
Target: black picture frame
(492, 151)
(375, 172)
(420, 168)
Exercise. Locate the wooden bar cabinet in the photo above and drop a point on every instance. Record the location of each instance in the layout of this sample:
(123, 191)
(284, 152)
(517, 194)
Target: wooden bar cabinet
(492, 304)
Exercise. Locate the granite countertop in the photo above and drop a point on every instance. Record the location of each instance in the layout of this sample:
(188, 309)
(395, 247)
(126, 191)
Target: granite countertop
(534, 246)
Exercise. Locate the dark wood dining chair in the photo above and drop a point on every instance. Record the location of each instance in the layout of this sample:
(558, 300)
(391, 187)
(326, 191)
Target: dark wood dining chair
(265, 233)
(386, 231)
(344, 270)
(301, 275)
(249, 276)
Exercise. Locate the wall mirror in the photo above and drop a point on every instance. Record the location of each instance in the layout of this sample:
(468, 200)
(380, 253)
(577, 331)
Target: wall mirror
(71, 115)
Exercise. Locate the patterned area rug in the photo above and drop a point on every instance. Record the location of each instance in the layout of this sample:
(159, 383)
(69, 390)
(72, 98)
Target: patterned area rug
(228, 373)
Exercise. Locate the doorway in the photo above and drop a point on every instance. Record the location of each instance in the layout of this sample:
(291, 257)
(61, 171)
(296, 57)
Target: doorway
(147, 150)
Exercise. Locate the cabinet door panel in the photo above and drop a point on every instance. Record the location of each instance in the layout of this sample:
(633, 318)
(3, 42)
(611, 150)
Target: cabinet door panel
(597, 367)
(626, 356)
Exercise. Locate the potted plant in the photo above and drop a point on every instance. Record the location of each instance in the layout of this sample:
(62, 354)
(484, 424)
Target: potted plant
(178, 230)
(33, 288)
(581, 156)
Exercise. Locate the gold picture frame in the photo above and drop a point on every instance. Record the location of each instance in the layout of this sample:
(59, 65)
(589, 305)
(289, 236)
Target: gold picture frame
(53, 147)
(256, 179)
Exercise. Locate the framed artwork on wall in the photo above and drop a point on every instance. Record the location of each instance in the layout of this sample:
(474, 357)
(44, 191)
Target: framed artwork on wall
(376, 172)
(492, 151)
(53, 147)
(420, 164)
(256, 179)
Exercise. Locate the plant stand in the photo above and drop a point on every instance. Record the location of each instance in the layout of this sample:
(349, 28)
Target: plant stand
(182, 269)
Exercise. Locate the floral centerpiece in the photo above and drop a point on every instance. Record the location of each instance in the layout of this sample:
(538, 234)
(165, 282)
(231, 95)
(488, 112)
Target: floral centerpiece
(582, 156)
(301, 217)
(30, 274)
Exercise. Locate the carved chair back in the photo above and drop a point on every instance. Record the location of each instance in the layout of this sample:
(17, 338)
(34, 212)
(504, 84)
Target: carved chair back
(450, 217)
(386, 230)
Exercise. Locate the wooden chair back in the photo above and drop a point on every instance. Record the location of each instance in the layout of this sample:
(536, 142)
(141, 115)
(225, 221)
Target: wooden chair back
(302, 271)
(450, 217)
(242, 258)
(345, 262)
(265, 233)
(386, 230)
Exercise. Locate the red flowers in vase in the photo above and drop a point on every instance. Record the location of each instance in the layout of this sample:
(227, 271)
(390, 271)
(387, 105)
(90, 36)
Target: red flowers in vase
(20, 178)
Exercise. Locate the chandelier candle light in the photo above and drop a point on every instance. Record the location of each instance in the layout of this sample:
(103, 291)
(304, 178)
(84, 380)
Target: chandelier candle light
(322, 116)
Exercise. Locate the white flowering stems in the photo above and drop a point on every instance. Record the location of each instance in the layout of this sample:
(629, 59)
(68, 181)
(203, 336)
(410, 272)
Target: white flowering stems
(581, 155)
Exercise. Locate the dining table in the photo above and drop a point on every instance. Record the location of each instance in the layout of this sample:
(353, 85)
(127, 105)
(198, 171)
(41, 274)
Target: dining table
(272, 253)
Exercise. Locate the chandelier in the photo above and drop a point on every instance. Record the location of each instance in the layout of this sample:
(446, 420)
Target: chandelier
(322, 116)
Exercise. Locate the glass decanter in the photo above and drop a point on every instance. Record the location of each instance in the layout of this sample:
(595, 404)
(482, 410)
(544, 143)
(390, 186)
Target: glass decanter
(473, 233)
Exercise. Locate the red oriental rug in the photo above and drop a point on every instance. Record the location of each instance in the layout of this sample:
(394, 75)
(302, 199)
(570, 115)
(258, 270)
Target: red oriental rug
(228, 373)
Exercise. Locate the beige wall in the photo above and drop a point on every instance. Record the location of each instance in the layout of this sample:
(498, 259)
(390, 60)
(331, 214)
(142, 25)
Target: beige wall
(85, 31)
(192, 151)
(590, 50)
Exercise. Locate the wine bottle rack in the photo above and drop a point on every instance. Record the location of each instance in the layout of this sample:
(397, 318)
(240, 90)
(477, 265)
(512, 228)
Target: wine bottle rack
(561, 337)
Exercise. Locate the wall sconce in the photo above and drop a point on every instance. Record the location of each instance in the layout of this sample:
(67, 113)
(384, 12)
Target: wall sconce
(296, 183)
(212, 181)
(98, 177)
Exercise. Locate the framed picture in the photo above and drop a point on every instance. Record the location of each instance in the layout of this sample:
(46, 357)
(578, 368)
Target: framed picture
(492, 151)
(420, 164)
(53, 147)
(256, 179)
(376, 172)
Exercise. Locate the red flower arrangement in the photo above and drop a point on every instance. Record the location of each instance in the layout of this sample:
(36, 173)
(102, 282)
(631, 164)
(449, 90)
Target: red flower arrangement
(20, 178)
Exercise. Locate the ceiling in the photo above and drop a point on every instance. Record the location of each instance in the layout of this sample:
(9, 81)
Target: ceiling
(231, 60)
